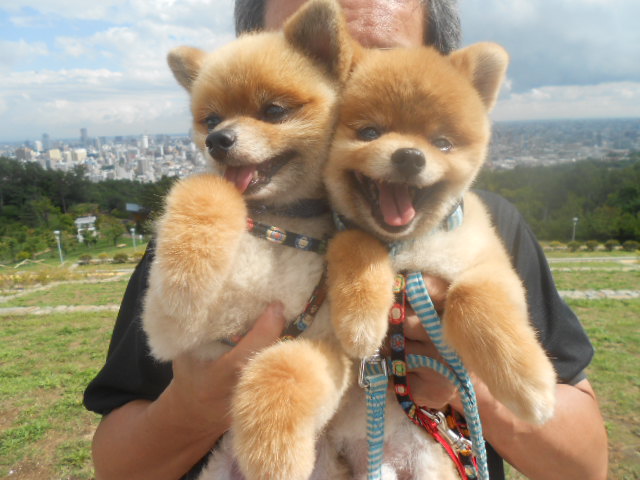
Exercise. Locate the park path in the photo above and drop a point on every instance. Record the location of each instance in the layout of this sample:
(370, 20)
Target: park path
(628, 263)
(48, 310)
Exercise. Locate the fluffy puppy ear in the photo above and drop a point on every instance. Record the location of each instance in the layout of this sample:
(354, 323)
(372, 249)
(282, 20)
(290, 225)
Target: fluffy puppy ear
(485, 64)
(185, 63)
(319, 31)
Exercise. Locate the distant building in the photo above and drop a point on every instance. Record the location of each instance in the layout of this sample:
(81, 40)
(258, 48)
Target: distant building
(85, 226)
(78, 155)
(24, 153)
(84, 137)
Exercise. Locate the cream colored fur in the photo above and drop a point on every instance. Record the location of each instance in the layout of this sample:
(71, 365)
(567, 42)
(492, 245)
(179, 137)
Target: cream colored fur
(296, 413)
(211, 279)
(415, 98)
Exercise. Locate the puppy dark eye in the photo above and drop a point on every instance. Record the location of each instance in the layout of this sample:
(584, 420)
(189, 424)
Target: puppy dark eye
(442, 144)
(368, 134)
(274, 112)
(212, 121)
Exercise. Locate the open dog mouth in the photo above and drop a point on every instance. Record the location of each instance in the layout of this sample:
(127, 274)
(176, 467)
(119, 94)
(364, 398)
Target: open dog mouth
(394, 206)
(251, 178)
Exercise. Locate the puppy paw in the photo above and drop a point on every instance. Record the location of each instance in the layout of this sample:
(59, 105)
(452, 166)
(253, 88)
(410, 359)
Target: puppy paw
(198, 234)
(204, 215)
(360, 282)
(284, 397)
(531, 392)
(196, 241)
(487, 324)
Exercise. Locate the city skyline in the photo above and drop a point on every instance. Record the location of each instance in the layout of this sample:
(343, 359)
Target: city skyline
(71, 65)
(148, 157)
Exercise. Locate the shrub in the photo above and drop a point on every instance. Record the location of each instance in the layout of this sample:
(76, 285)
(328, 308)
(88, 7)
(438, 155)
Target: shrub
(630, 246)
(592, 245)
(23, 255)
(611, 245)
(120, 258)
(556, 245)
(574, 246)
(84, 259)
(103, 257)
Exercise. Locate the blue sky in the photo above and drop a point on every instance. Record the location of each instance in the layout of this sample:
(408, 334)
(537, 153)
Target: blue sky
(67, 64)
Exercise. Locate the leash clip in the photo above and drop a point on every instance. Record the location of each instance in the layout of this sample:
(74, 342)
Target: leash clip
(457, 441)
(374, 364)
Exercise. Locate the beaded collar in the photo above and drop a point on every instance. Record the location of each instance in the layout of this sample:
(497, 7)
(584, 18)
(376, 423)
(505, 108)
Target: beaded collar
(283, 237)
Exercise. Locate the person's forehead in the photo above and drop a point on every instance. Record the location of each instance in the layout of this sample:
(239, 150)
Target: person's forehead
(375, 23)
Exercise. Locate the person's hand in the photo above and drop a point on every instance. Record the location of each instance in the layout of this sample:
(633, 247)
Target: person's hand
(429, 389)
(202, 389)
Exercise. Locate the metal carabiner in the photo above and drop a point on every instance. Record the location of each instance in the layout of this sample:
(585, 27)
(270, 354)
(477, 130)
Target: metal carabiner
(458, 442)
(372, 363)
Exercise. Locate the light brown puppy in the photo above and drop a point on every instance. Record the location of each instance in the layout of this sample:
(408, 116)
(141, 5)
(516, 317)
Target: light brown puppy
(412, 136)
(264, 110)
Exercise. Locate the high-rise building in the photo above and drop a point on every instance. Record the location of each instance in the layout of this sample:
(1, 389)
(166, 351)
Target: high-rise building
(24, 153)
(84, 137)
(46, 142)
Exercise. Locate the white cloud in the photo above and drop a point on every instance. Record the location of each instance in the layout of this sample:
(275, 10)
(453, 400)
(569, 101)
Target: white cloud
(98, 100)
(554, 42)
(551, 42)
(213, 13)
(12, 52)
(606, 100)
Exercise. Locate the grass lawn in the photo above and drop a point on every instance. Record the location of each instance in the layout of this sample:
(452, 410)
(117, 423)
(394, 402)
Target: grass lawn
(45, 363)
(597, 280)
(47, 360)
(612, 326)
(105, 293)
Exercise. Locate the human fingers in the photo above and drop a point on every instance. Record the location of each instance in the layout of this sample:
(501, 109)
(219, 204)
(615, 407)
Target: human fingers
(413, 329)
(430, 389)
(437, 288)
(266, 330)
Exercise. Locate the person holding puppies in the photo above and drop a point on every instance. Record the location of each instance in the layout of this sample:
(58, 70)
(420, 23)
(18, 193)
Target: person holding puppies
(162, 419)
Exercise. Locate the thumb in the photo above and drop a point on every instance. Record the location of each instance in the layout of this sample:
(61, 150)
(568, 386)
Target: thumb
(265, 332)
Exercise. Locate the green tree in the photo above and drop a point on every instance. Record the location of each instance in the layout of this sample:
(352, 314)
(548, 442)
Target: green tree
(39, 212)
(111, 228)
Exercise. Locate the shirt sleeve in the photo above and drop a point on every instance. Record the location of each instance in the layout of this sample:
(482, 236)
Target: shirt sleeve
(559, 330)
(129, 372)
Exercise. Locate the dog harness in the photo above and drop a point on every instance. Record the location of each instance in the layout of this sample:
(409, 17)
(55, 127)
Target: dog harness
(301, 242)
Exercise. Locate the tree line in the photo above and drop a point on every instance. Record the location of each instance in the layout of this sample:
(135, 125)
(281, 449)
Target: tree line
(604, 197)
(35, 202)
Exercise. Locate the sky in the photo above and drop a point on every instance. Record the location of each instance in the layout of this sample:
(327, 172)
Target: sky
(71, 64)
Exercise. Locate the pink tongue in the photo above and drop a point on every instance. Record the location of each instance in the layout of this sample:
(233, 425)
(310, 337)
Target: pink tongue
(240, 176)
(395, 204)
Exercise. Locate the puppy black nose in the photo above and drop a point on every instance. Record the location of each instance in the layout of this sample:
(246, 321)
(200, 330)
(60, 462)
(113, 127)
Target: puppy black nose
(408, 161)
(219, 143)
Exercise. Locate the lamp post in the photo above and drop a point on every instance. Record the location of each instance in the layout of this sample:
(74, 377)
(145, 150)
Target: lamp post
(57, 234)
(573, 233)
(133, 236)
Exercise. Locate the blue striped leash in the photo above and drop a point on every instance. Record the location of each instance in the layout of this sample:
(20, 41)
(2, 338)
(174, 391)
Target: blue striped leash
(423, 306)
(374, 378)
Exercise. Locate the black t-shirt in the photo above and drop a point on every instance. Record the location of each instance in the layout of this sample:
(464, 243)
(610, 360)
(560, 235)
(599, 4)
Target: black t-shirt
(130, 372)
